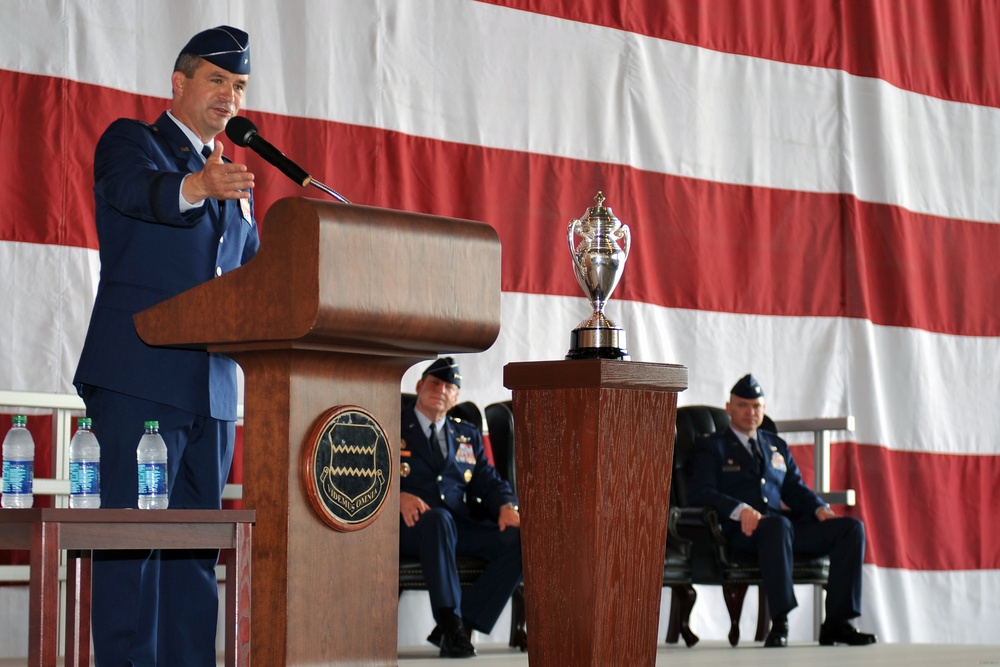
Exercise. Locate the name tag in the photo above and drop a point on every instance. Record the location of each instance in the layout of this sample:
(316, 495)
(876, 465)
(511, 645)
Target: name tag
(245, 209)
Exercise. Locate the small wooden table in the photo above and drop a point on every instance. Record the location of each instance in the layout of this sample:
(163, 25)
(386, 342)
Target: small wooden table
(44, 532)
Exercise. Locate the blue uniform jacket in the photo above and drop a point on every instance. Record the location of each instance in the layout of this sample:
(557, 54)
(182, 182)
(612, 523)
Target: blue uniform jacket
(466, 469)
(149, 252)
(724, 474)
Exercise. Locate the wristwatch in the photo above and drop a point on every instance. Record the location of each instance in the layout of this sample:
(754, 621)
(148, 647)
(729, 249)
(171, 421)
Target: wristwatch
(513, 506)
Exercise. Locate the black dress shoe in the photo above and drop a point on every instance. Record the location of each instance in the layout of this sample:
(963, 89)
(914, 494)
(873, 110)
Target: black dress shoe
(455, 644)
(435, 636)
(844, 633)
(778, 636)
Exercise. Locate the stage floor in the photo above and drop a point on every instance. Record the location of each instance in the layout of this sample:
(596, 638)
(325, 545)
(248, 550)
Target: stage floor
(720, 654)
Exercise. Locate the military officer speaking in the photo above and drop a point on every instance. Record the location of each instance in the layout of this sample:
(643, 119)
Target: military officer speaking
(171, 213)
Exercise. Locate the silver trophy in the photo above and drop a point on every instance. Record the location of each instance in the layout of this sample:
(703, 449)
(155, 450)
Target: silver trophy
(598, 261)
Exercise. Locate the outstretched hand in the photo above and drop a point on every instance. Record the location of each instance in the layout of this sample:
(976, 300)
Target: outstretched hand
(218, 179)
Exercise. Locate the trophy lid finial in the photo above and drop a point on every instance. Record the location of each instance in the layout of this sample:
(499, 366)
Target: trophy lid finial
(599, 218)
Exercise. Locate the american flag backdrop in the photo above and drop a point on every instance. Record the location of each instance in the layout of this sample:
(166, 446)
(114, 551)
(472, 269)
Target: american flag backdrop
(811, 188)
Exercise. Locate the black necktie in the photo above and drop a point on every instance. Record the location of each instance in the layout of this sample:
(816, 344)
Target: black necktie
(436, 451)
(206, 151)
(757, 454)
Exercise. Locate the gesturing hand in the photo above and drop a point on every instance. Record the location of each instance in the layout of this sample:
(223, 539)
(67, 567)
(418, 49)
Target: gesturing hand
(218, 179)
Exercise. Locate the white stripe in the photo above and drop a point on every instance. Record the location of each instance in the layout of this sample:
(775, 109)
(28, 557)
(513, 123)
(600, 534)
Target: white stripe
(956, 607)
(47, 294)
(953, 607)
(896, 382)
(475, 73)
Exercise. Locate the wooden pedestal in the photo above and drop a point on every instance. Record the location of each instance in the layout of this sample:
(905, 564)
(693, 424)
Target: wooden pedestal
(594, 449)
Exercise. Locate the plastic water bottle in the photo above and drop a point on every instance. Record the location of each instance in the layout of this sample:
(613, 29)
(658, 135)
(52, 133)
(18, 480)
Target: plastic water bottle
(18, 465)
(151, 455)
(84, 467)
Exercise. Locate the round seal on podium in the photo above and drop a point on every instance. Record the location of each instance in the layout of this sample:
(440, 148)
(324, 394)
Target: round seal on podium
(347, 468)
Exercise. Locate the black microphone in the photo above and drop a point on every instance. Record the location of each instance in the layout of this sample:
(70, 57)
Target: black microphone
(243, 132)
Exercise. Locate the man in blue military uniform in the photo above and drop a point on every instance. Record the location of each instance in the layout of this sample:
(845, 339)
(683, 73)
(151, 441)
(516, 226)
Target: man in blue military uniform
(443, 461)
(746, 474)
(171, 213)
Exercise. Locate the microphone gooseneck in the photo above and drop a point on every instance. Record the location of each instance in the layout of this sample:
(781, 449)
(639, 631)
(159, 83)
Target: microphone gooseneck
(243, 132)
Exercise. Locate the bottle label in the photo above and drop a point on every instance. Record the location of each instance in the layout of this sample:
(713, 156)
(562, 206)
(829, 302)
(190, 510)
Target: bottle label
(18, 477)
(84, 478)
(152, 479)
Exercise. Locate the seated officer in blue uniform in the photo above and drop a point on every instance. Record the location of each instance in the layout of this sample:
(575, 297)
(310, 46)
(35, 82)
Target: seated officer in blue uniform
(443, 461)
(746, 474)
(171, 213)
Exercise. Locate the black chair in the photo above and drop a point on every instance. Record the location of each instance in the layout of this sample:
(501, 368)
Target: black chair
(500, 420)
(677, 566)
(468, 412)
(712, 561)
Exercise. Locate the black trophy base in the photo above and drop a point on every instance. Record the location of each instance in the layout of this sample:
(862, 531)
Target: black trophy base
(598, 353)
(597, 343)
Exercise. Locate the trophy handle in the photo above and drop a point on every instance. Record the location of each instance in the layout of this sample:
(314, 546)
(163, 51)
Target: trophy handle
(626, 233)
(570, 233)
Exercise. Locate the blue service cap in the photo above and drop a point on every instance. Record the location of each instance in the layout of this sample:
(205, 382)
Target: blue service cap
(225, 46)
(445, 369)
(747, 387)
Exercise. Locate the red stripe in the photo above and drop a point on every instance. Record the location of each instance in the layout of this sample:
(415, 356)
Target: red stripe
(48, 129)
(700, 244)
(697, 244)
(922, 511)
(943, 49)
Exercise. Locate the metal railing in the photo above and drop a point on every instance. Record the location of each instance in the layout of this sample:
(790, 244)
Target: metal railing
(821, 428)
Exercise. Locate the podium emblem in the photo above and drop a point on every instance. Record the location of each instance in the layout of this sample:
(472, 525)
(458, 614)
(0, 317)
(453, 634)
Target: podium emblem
(347, 468)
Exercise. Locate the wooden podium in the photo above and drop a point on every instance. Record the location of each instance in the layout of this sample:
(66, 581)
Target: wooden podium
(595, 442)
(338, 303)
